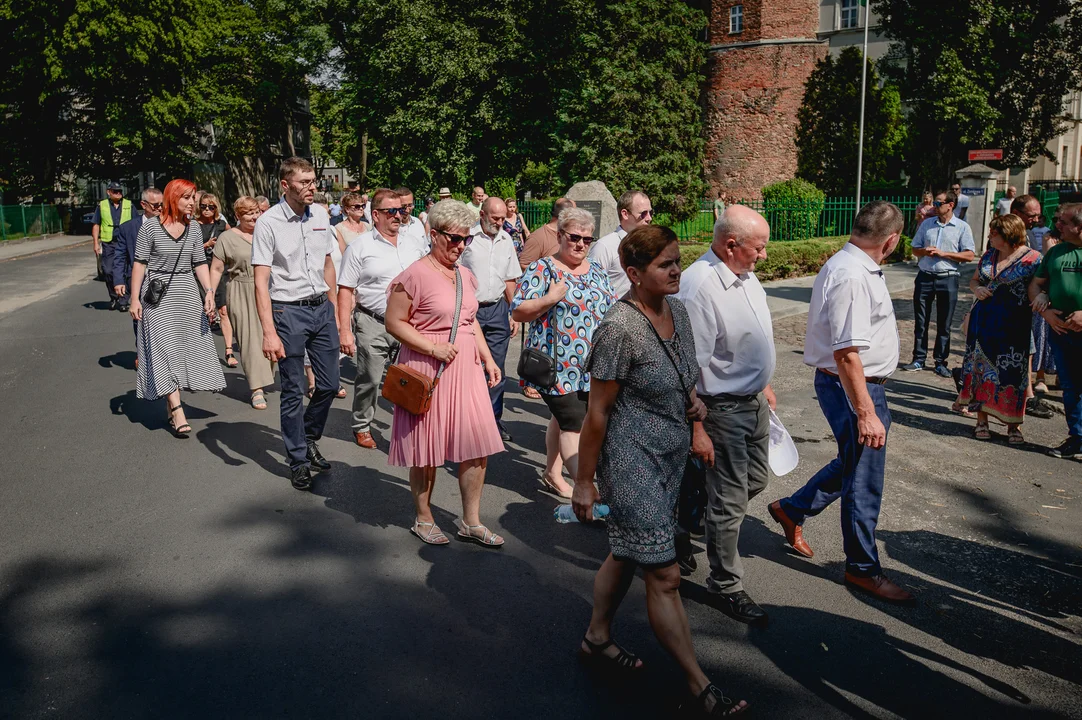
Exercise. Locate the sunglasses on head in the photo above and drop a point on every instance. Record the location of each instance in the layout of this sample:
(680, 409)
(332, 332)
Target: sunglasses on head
(584, 239)
(456, 239)
(391, 211)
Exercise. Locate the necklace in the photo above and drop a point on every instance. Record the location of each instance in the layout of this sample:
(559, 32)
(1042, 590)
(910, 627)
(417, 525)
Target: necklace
(441, 270)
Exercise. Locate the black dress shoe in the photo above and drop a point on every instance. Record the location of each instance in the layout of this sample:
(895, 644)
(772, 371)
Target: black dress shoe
(302, 478)
(318, 461)
(504, 435)
(740, 606)
(685, 554)
(112, 304)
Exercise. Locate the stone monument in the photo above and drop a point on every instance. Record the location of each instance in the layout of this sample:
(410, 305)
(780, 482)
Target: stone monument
(979, 184)
(596, 198)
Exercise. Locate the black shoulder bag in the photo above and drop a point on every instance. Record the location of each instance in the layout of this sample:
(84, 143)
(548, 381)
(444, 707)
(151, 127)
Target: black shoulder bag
(156, 287)
(536, 367)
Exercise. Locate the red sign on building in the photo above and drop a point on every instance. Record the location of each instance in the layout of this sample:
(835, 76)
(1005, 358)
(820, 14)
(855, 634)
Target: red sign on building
(975, 155)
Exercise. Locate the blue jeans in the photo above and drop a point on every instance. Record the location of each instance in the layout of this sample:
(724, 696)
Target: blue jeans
(943, 291)
(311, 328)
(1067, 350)
(497, 329)
(856, 476)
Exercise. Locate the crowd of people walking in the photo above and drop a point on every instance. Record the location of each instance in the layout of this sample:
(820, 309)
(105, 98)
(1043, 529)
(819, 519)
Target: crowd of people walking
(645, 370)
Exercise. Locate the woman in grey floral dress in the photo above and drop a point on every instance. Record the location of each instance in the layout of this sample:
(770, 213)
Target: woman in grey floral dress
(636, 438)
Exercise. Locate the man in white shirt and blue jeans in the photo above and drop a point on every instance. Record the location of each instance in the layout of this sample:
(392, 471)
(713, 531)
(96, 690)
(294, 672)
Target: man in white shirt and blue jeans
(491, 257)
(942, 243)
(291, 257)
(734, 347)
(852, 342)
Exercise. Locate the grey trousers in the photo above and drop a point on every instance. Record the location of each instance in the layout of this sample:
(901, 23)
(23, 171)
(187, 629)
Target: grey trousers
(740, 431)
(374, 347)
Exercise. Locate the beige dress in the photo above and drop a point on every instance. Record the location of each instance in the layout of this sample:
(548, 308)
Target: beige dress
(236, 252)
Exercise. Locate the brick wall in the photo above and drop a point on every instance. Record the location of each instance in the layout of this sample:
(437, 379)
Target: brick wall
(753, 93)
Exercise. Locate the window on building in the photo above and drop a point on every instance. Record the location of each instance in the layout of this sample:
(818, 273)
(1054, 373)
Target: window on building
(736, 19)
(850, 13)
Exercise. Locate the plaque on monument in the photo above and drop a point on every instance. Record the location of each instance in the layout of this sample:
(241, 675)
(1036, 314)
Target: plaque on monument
(594, 208)
(594, 197)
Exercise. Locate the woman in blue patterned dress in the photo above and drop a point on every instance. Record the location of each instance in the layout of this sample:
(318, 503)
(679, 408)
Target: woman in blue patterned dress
(564, 297)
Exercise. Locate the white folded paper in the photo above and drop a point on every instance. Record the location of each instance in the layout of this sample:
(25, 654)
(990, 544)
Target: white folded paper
(783, 456)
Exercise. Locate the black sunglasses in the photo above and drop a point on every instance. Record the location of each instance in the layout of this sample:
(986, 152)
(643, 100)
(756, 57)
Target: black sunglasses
(355, 207)
(153, 206)
(456, 239)
(207, 207)
(937, 203)
(391, 211)
(584, 239)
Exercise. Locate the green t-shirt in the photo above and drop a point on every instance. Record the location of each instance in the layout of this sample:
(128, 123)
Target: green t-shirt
(1062, 265)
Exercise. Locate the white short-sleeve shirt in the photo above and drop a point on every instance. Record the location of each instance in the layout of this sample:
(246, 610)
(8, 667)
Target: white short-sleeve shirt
(851, 307)
(606, 252)
(493, 261)
(371, 262)
(734, 335)
(295, 247)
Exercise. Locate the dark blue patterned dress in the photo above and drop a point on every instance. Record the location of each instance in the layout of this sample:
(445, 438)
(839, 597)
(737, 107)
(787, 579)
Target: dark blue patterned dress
(648, 439)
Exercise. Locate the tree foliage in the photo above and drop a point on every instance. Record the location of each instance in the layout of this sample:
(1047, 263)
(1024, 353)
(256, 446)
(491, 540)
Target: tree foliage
(829, 125)
(993, 77)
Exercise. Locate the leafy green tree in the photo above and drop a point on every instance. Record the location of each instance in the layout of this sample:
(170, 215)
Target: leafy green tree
(829, 125)
(994, 75)
(630, 112)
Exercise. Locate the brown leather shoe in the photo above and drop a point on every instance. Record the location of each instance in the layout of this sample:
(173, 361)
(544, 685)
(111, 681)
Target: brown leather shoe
(880, 587)
(794, 535)
(365, 440)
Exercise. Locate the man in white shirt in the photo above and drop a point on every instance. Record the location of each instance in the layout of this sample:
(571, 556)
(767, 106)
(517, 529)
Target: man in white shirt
(491, 257)
(961, 208)
(410, 224)
(1003, 207)
(734, 346)
(476, 199)
(634, 210)
(291, 257)
(369, 265)
(852, 342)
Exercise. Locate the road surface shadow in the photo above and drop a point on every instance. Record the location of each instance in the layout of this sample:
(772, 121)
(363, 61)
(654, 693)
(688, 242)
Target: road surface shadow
(124, 359)
(151, 414)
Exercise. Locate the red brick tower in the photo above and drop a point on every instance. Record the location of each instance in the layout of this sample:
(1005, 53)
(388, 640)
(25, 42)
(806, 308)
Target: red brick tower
(761, 53)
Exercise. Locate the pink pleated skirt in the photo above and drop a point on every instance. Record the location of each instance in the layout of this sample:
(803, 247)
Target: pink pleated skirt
(459, 424)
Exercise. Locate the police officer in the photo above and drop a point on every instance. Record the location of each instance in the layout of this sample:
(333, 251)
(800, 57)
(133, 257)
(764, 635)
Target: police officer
(110, 214)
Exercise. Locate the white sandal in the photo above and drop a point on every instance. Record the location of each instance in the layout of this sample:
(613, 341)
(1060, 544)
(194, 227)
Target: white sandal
(434, 536)
(487, 537)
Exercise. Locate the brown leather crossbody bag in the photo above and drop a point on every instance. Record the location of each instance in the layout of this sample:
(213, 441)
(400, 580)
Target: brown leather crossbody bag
(412, 390)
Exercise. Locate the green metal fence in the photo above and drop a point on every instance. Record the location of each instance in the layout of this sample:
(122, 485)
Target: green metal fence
(22, 221)
(788, 221)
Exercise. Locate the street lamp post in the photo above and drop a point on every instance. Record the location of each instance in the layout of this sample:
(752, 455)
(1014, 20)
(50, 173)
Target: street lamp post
(863, 84)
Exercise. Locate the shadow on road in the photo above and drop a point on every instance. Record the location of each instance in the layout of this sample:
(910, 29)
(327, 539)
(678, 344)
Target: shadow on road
(124, 359)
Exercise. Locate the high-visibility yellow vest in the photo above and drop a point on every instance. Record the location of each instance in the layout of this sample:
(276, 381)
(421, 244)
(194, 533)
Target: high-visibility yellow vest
(105, 231)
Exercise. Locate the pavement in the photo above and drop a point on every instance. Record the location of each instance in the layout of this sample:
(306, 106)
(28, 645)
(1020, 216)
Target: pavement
(145, 576)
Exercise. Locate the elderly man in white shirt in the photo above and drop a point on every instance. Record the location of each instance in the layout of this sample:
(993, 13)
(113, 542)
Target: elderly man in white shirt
(634, 209)
(734, 346)
(491, 257)
(368, 266)
(292, 245)
(852, 342)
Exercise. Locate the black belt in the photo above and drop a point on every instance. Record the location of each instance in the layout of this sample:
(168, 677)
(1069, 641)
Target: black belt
(489, 304)
(870, 381)
(732, 396)
(374, 315)
(306, 302)
(947, 273)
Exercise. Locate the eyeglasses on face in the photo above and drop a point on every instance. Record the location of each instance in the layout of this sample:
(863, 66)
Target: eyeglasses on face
(584, 239)
(153, 206)
(305, 184)
(938, 203)
(456, 239)
(358, 206)
(644, 213)
(205, 206)
(392, 211)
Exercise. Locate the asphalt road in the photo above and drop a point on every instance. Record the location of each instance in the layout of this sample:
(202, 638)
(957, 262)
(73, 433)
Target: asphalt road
(145, 576)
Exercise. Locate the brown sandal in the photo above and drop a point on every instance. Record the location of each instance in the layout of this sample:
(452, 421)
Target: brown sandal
(981, 432)
(1014, 437)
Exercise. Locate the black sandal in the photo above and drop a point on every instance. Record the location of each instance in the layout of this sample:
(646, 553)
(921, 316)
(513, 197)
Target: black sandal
(623, 661)
(724, 706)
(183, 430)
(230, 356)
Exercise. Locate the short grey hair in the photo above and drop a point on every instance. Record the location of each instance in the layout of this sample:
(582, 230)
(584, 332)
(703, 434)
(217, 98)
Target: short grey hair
(1072, 213)
(450, 215)
(578, 217)
(878, 220)
(262, 199)
(148, 192)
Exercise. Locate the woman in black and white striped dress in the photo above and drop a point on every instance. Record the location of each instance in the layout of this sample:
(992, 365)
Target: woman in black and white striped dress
(175, 348)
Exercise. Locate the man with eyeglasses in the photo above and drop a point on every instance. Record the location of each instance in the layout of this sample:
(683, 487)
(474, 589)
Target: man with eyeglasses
(942, 243)
(410, 224)
(634, 210)
(292, 248)
(961, 206)
(124, 246)
(110, 214)
(491, 257)
(369, 265)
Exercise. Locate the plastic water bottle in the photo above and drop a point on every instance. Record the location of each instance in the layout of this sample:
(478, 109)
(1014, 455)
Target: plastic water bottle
(566, 514)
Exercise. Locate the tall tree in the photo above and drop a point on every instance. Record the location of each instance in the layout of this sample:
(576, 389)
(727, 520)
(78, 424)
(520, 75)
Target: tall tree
(994, 75)
(829, 125)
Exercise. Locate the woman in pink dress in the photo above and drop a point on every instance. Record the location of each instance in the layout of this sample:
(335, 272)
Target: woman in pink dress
(459, 425)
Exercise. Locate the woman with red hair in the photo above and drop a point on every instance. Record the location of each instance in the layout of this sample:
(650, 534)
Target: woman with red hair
(175, 347)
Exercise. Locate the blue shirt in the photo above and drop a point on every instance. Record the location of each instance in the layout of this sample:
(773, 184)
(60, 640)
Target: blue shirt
(954, 236)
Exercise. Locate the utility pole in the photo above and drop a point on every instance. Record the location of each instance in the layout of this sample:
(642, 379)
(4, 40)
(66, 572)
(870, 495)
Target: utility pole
(863, 84)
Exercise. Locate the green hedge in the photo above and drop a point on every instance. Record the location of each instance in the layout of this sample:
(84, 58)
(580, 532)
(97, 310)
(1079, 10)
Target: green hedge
(795, 259)
(796, 206)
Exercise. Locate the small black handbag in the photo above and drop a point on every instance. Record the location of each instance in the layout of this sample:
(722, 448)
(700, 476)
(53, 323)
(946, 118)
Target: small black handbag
(537, 367)
(156, 287)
